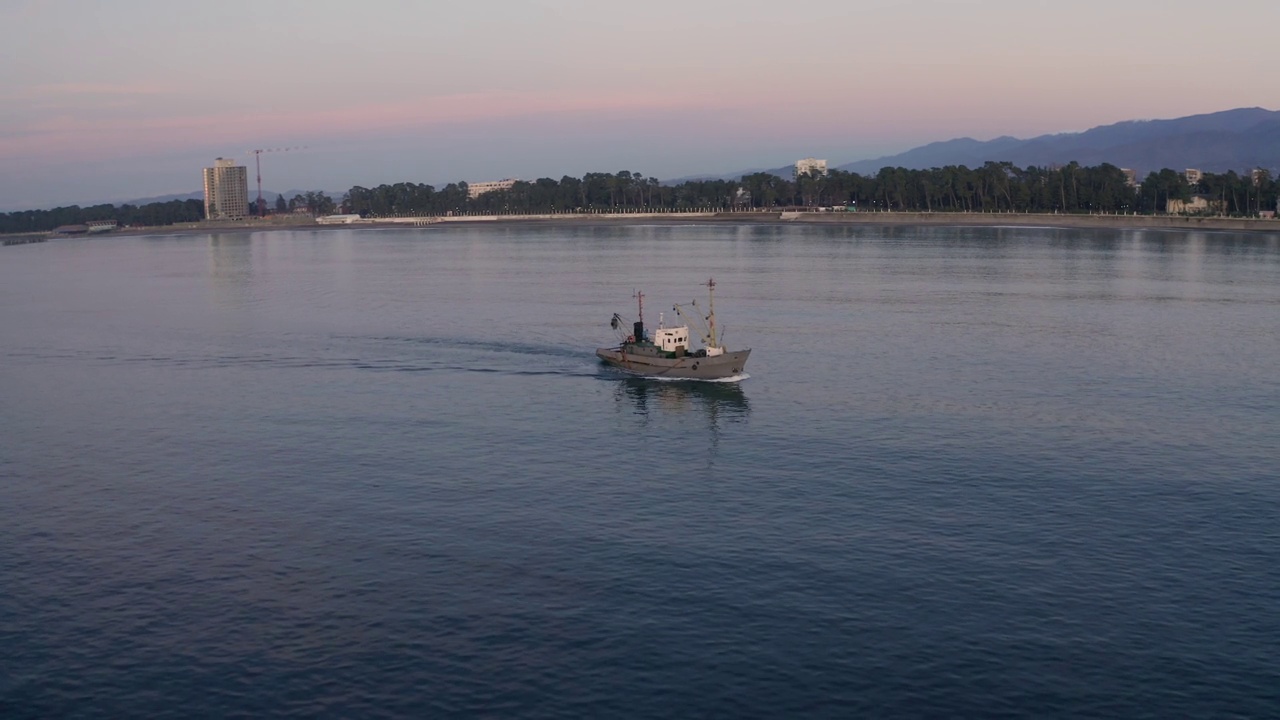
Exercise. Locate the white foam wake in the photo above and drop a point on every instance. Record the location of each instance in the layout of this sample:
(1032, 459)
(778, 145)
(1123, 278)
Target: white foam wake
(730, 379)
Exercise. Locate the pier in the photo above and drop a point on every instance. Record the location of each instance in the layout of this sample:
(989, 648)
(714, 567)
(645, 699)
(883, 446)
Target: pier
(24, 239)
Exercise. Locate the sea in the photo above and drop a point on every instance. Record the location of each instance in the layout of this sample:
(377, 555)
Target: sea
(358, 473)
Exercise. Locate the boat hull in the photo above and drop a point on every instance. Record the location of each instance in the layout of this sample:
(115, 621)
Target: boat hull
(688, 367)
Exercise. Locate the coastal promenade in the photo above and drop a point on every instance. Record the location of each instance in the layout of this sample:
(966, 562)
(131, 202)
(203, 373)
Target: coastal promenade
(711, 216)
(1169, 222)
(943, 219)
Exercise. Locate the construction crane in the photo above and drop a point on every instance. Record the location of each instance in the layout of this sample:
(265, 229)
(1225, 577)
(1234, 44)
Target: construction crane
(257, 162)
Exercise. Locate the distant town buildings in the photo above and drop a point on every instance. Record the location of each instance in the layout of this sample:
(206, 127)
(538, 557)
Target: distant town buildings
(226, 190)
(807, 166)
(1258, 176)
(475, 190)
(1192, 176)
(1130, 177)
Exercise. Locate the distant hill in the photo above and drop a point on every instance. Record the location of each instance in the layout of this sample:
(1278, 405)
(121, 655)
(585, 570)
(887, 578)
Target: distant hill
(1239, 140)
(195, 195)
(335, 195)
(268, 196)
(781, 172)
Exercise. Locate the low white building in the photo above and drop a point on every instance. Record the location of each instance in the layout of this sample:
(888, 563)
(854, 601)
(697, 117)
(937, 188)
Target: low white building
(475, 190)
(1197, 205)
(338, 219)
(807, 166)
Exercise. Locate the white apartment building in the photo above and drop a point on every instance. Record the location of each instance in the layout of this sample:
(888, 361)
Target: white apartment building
(809, 165)
(1192, 176)
(475, 190)
(226, 190)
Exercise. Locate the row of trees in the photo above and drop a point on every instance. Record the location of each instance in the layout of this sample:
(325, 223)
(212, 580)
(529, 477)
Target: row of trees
(312, 203)
(151, 214)
(994, 187)
(592, 191)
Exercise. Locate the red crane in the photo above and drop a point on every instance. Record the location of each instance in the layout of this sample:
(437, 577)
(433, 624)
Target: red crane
(257, 162)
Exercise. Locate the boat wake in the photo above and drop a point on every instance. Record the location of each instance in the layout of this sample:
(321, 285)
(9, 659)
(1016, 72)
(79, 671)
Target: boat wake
(514, 348)
(731, 379)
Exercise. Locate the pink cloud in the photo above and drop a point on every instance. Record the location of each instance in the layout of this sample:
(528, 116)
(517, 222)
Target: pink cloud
(96, 89)
(83, 136)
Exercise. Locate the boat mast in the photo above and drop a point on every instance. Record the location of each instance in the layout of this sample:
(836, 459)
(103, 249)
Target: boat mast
(711, 311)
(637, 333)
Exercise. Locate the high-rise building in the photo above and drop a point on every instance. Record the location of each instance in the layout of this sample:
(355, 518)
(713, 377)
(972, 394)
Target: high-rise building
(1130, 177)
(226, 190)
(1192, 176)
(809, 165)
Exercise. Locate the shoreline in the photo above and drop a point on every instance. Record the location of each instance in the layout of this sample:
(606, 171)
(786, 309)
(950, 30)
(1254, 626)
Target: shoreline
(869, 219)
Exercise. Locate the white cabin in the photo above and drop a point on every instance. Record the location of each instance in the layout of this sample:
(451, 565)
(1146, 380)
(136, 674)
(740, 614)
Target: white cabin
(668, 339)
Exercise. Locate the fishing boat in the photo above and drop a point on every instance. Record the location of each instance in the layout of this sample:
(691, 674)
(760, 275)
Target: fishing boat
(666, 352)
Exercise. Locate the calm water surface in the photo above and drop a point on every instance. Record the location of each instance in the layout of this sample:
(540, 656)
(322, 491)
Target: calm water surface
(974, 472)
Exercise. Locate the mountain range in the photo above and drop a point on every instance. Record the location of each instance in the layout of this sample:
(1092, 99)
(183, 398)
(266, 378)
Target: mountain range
(1240, 140)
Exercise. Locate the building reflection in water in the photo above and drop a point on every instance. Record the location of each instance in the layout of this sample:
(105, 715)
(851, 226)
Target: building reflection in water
(230, 256)
(231, 268)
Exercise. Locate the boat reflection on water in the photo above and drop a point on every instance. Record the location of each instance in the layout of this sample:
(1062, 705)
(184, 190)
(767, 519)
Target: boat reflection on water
(719, 400)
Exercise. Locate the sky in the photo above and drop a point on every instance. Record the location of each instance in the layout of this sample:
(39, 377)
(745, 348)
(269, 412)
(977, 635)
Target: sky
(110, 101)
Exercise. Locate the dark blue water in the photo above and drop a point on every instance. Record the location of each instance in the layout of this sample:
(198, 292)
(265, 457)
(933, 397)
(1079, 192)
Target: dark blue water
(998, 473)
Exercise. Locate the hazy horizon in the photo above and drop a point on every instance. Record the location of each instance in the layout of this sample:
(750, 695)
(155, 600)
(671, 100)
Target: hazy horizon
(105, 103)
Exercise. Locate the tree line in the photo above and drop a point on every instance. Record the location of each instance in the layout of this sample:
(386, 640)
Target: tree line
(311, 203)
(994, 187)
(151, 214)
(148, 215)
